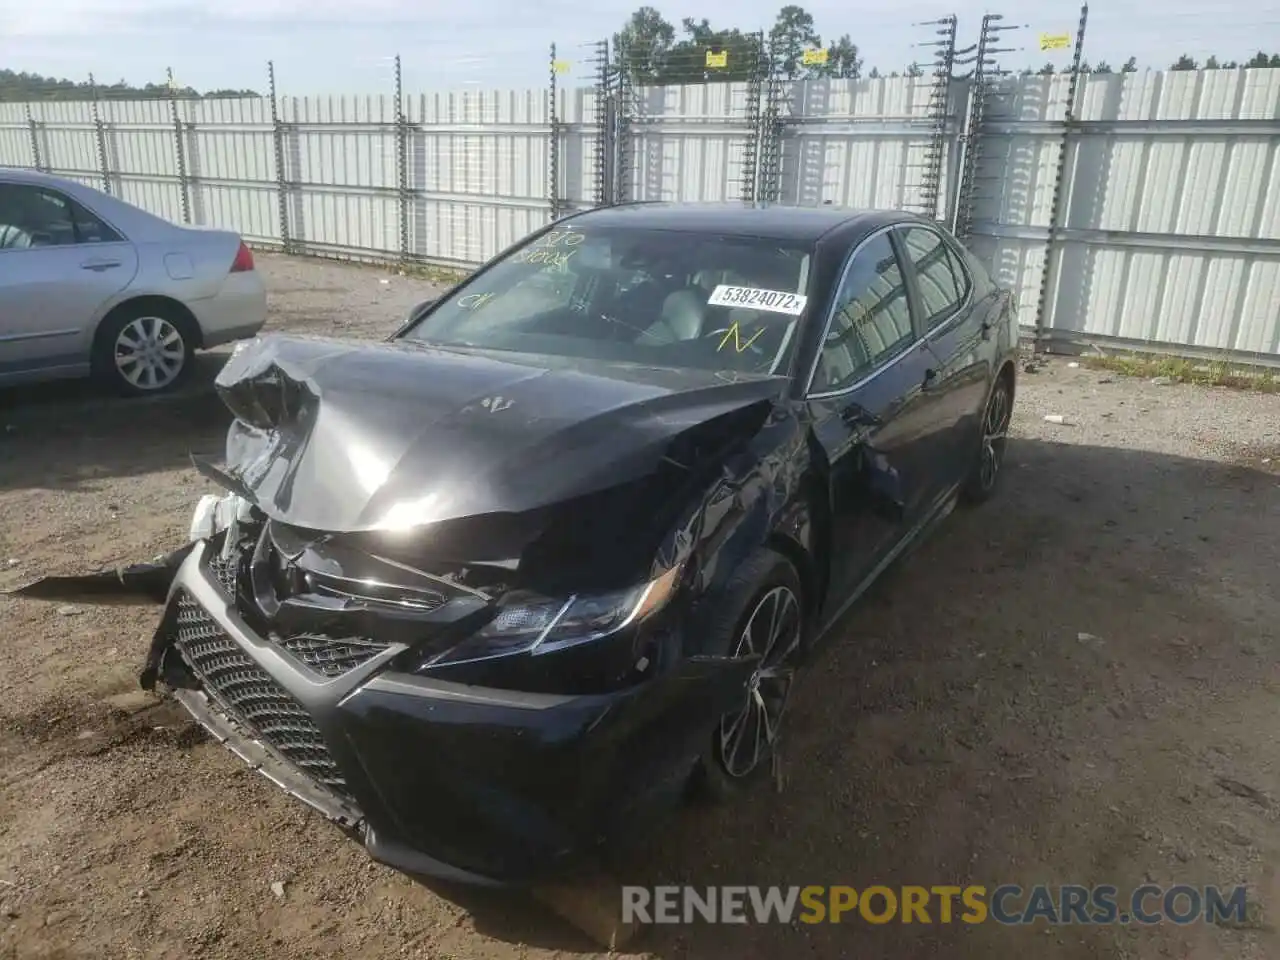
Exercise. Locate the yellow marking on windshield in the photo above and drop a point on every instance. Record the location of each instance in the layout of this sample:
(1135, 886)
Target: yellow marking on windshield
(474, 301)
(734, 332)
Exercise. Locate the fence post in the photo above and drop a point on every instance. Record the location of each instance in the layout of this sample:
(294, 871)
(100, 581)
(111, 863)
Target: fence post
(402, 164)
(939, 107)
(1052, 265)
(100, 136)
(180, 148)
(33, 130)
(750, 182)
(277, 144)
(624, 116)
(770, 175)
(553, 144)
(983, 58)
(602, 159)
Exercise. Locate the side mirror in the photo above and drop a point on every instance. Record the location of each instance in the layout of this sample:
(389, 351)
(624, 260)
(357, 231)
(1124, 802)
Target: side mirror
(417, 313)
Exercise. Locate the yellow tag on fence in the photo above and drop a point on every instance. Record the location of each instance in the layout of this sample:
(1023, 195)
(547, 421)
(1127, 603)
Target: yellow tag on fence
(560, 66)
(812, 57)
(1055, 41)
(717, 59)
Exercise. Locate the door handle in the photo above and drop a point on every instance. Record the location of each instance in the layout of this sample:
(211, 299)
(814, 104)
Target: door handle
(99, 265)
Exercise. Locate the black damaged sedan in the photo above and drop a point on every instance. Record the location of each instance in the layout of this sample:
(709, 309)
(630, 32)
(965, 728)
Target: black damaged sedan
(498, 591)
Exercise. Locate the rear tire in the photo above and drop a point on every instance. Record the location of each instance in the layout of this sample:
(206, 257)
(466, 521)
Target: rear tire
(741, 748)
(143, 350)
(984, 477)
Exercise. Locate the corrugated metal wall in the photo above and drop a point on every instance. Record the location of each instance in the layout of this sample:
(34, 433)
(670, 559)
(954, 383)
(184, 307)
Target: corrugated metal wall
(687, 143)
(1166, 228)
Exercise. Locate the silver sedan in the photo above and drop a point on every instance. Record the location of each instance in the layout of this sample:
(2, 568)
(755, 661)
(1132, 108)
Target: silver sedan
(91, 285)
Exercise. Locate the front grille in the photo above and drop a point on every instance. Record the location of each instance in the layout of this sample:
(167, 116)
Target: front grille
(242, 688)
(331, 656)
(227, 571)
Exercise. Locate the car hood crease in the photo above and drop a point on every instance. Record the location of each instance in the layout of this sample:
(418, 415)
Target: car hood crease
(391, 436)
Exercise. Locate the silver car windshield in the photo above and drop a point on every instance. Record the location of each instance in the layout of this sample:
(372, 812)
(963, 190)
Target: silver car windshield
(659, 298)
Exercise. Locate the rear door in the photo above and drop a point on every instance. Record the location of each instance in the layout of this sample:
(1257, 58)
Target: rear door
(954, 333)
(59, 266)
(866, 398)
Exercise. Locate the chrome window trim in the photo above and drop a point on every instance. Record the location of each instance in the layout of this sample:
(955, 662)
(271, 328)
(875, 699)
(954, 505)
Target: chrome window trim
(831, 313)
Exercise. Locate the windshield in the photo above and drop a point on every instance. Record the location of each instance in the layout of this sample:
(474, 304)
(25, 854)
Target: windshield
(652, 297)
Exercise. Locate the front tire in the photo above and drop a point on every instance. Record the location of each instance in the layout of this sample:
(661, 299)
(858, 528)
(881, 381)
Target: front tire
(143, 350)
(759, 611)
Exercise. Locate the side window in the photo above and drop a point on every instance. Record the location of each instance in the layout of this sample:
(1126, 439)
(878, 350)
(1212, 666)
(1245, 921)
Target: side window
(872, 320)
(942, 280)
(89, 229)
(31, 216)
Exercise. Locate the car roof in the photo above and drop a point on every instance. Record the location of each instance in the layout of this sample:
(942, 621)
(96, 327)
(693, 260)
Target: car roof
(137, 225)
(745, 219)
(25, 175)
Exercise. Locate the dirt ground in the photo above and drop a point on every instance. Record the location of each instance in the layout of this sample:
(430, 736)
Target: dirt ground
(1054, 688)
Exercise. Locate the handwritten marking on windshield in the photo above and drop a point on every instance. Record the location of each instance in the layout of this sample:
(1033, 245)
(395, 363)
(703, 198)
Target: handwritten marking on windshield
(566, 238)
(474, 301)
(735, 332)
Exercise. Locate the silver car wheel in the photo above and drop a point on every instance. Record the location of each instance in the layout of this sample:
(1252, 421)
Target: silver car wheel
(772, 632)
(150, 353)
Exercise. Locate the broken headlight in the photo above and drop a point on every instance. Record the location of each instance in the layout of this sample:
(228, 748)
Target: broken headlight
(544, 626)
(214, 513)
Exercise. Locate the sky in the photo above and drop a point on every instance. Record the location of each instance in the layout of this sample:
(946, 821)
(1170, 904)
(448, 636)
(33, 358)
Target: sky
(347, 46)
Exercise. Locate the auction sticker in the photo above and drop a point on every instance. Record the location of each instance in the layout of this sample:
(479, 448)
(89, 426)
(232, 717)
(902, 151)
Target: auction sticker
(753, 298)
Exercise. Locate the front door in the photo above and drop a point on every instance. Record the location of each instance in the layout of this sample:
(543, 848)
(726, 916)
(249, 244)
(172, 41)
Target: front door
(869, 407)
(59, 265)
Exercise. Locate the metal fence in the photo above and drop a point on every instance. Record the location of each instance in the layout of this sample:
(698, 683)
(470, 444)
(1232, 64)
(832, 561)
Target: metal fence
(1153, 218)
(1135, 208)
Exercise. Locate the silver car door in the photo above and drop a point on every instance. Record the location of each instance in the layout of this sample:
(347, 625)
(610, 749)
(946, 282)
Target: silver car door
(60, 265)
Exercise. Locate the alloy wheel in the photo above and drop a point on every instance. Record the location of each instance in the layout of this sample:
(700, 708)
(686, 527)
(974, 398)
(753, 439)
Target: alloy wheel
(149, 353)
(995, 431)
(747, 736)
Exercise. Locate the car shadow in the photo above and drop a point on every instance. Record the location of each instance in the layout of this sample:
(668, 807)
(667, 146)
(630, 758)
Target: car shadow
(65, 434)
(965, 720)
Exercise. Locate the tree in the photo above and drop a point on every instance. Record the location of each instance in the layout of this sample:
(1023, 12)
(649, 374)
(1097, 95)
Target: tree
(22, 86)
(843, 62)
(791, 34)
(1046, 70)
(686, 61)
(1184, 62)
(914, 70)
(874, 74)
(1212, 64)
(1260, 59)
(642, 46)
(1103, 67)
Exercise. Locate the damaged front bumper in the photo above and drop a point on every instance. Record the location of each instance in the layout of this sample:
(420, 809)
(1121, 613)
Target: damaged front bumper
(451, 780)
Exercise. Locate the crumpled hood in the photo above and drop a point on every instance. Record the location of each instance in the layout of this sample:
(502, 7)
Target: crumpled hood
(341, 436)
